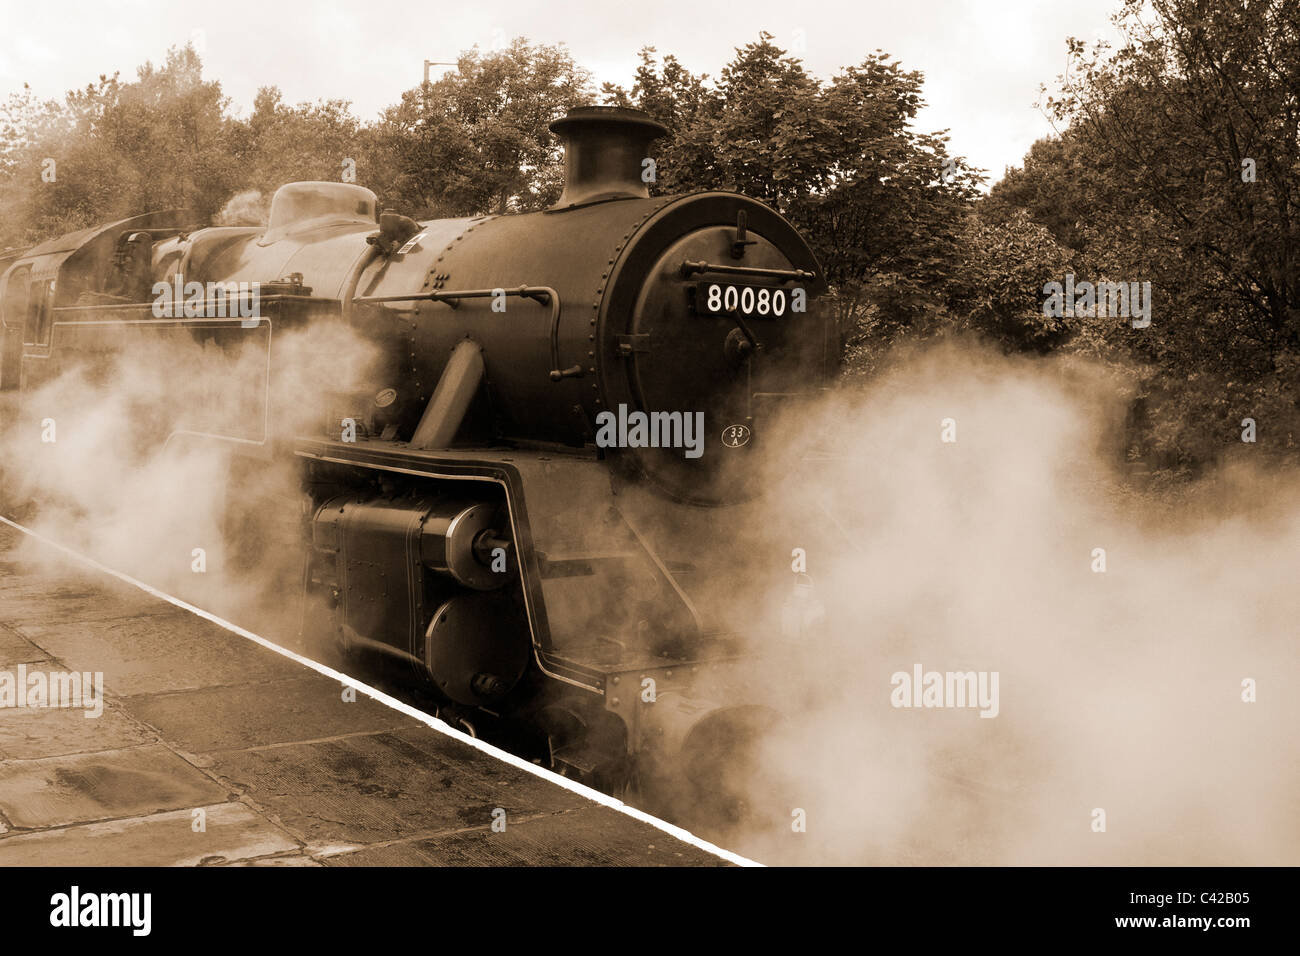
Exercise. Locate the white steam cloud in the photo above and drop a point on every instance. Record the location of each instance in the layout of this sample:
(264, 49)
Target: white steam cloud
(114, 456)
(1120, 691)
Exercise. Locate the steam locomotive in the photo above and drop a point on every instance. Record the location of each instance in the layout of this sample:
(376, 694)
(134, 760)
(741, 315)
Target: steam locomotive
(519, 502)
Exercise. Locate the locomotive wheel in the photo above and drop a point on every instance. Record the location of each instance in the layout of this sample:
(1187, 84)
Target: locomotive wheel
(722, 761)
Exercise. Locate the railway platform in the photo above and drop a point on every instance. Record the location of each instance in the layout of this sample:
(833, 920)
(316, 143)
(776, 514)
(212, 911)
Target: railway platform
(202, 747)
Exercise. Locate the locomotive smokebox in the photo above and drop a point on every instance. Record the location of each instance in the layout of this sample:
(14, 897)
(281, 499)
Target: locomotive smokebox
(605, 153)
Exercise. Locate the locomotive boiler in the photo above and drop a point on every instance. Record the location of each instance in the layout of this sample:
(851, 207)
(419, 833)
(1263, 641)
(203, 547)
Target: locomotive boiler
(519, 502)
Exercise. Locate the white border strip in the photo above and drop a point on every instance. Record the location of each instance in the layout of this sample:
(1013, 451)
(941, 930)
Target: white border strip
(595, 796)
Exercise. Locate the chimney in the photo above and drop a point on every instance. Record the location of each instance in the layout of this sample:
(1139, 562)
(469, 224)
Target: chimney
(604, 148)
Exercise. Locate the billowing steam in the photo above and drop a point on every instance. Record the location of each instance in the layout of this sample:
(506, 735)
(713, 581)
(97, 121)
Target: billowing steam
(1122, 692)
(247, 208)
(117, 456)
(1119, 691)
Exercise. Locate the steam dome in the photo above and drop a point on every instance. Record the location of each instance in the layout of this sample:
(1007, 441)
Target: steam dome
(297, 204)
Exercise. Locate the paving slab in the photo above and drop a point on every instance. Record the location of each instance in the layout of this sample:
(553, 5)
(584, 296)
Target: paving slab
(379, 787)
(305, 707)
(160, 652)
(16, 649)
(29, 734)
(231, 832)
(69, 594)
(80, 788)
(591, 836)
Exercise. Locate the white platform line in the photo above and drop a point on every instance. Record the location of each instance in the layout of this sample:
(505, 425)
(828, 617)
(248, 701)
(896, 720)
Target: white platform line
(504, 756)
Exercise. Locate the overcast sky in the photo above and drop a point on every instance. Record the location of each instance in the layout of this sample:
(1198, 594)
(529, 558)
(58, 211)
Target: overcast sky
(982, 59)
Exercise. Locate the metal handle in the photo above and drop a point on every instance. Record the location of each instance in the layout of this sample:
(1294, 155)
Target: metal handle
(785, 275)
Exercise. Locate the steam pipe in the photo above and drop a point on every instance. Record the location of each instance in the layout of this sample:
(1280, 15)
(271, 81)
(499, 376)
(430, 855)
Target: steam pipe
(354, 278)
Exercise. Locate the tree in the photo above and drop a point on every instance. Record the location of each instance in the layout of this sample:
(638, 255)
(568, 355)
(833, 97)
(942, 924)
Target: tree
(685, 103)
(306, 142)
(1007, 264)
(1199, 113)
(1180, 166)
(476, 141)
(117, 149)
(889, 225)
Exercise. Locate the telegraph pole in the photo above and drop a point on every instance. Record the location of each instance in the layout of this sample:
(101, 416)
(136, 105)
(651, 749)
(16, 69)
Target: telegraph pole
(424, 89)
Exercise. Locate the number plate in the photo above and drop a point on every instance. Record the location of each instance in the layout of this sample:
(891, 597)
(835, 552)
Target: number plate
(747, 301)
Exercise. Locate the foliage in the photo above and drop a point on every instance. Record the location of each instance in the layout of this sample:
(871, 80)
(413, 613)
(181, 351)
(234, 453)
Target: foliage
(1180, 166)
(1177, 163)
(471, 143)
(1008, 264)
(117, 147)
(282, 143)
(476, 141)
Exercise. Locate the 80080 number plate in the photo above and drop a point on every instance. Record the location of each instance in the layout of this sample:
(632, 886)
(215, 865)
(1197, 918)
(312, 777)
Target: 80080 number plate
(747, 301)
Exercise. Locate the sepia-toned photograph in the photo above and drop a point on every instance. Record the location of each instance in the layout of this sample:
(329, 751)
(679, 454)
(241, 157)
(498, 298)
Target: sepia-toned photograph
(835, 434)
